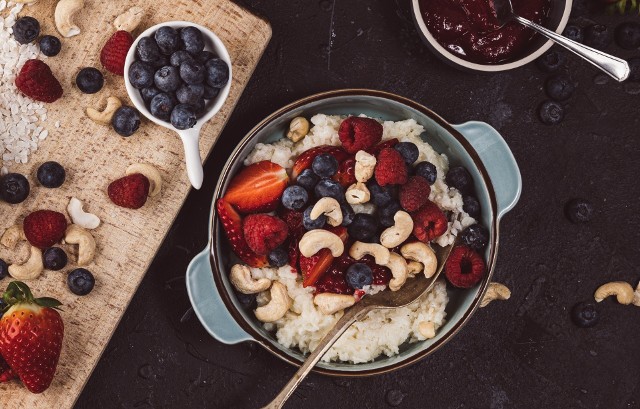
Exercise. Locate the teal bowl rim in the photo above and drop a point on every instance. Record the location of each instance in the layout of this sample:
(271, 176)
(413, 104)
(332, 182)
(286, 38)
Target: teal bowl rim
(213, 231)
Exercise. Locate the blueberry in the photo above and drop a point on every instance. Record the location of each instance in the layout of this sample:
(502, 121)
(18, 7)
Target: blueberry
(325, 165)
(347, 214)
(50, 45)
(80, 281)
(329, 188)
(147, 50)
(585, 314)
(217, 73)
(363, 227)
(597, 36)
(475, 236)
(311, 224)
(551, 61)
(387, 212)
(210, 92)
(141, 75)
(471, 205)
(627, 35)
(409, 152)
(199, 107)
(125, 121)
(179, 57)
(578, 210)
(190, 94)
(192, 72)
(192, 40)
(307, 179)
(574, 33)
(167, 40)
(161, 106)
(162, 61)
(183, 116)
(148, 94)
(551, 113)
(249, 301)
(205, 56)
(167, 79)
(460, 178)
(89, 80)
(4, 269)
(359, 275)
(380, 196)
(51, 174)
(427, 170)
(54, 258)
(634, 66)
(559, 87)
(26, 29)
(14, 188)
(278, 257)
(295, 197)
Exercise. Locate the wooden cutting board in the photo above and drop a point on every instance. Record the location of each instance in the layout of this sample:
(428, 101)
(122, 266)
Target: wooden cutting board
(94, 156)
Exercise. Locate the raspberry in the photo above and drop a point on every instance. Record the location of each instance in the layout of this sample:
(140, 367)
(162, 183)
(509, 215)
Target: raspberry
(391, 168)
(44, 228)
(264, 233)
(464, 267)
(359, 133)
(429, 222)
(36, 81)
(115, 51)
(375, 150)
(130, 191)
(414, 193)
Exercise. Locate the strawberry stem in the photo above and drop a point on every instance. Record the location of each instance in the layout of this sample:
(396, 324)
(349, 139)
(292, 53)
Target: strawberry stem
(19, 292)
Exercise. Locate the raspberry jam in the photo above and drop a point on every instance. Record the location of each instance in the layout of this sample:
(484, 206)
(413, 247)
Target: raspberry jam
(470, 30)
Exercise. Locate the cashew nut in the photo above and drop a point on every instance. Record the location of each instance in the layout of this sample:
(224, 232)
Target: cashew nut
(11, 237)
(399, 232)
(427, 329)
(85, 241)
(330, 208)
(329, 303)
(104, 117)
(64, 14)
(495, 291)
(365, 164)
(623, 292)
(315, 240)
(241, 279)
(29, 270)
(277, 307)
(151, 172)
(422, 253)
(25, 1)
(379, 252)
(399, 270)
(413, 268)
(636, 296)
(298, 128)
(130, 19)
(80, 217)
(358, 193)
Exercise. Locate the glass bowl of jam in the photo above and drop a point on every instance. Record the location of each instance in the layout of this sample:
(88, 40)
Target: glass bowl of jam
(466, 32)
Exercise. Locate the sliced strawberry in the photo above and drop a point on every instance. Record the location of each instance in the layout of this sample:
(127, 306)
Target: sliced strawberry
(334, 280)
(232, 224)
(346, 174)
(258, 187)
(375, 150)
(314, 267)
(306, 158)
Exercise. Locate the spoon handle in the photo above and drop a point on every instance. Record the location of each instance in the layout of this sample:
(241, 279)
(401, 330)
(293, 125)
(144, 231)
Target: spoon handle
(615, 67)
(350, 316)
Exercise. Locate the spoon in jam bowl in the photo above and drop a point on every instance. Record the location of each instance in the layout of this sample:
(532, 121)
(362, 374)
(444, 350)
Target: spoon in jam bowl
(410, 292)
(615, 67)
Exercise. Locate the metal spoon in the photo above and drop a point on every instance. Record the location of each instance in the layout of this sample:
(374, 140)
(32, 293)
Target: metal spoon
(411, 291)
(615, 67)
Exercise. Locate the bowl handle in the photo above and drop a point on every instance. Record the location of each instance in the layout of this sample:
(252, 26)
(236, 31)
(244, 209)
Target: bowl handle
(190, 141)
(207, 304)
(498, 160)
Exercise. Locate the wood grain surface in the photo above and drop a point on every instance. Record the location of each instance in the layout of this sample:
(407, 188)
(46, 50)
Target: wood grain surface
(94, 156)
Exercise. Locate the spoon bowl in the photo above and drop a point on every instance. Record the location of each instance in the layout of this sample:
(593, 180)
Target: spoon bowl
(190, 137)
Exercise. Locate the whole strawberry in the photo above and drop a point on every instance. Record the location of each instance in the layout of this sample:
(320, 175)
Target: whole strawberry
(31, 333)
(130, 191)
(115, 51)
(44, 228)
(36, 81)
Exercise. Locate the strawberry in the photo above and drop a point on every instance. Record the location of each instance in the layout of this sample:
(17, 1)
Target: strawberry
(346, 174)
(357, 133)
(429, 222)
(414, 193)
(375, 150)
(381, 275)
(390, 168)
(232, 225)
(6, 373)
(36, 81)
(31, 333)
(44, 228)
(264, 233)
(306, 158)
(314, 267)
(258, 187)
(464, 267)
(130, 191)
(115, 51)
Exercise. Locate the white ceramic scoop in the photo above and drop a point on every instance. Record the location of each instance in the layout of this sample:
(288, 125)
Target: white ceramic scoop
(190, 137)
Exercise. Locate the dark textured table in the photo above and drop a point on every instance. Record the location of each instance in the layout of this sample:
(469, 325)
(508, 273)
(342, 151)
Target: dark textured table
(522, 353)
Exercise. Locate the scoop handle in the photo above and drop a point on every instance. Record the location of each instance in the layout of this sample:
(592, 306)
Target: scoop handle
(190, 141)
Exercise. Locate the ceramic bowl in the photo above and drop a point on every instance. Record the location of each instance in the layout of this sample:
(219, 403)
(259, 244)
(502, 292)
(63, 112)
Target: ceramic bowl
(557, 21)
(190, 137)
(475, 145)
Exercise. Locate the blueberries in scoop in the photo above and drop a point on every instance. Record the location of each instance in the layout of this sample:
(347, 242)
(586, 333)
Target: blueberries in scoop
(167, 40)
(192, 39)
(183, 117)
